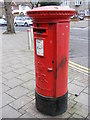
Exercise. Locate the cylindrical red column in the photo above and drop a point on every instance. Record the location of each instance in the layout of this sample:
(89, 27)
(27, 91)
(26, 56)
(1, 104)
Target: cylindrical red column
(51, 47)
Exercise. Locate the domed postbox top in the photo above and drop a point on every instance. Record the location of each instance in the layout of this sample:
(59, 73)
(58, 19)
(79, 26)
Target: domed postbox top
(51, 12)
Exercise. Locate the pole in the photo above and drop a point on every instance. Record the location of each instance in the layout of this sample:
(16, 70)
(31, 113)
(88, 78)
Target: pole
(29, 39)
(31, 28)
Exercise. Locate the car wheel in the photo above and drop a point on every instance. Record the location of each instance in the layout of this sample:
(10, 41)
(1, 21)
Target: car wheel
(15, 24)
(25, 24)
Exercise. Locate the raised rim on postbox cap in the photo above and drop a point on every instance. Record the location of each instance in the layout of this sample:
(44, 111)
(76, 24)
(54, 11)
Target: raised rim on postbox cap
(51, 11)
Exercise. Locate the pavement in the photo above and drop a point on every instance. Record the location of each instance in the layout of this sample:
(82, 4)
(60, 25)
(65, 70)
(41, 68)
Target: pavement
(17, 82)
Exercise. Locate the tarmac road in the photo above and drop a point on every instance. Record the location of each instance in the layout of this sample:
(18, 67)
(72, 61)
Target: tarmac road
(78, 50)
(79, 46)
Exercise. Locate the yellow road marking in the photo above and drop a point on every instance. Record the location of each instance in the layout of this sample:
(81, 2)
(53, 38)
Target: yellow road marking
(83, 67)
(80, 70)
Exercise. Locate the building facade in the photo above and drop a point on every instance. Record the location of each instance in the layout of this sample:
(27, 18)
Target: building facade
(81, 6)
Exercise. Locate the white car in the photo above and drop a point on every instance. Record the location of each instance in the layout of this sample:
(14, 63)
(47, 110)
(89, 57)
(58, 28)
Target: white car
(3, 22)
(22, 21)
(28, 21)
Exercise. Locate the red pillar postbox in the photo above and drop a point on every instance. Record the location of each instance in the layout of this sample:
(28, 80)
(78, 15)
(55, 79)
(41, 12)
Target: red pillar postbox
(51, 48)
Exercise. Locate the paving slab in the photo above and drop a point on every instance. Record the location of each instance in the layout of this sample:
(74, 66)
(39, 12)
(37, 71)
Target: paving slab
(88, 118)
(25, 77)
(76, 82)
(28, 115)
(71, 103)
(63, 116)
(27, 106)
(76, 116)
(86, 90)
(6, 99)
(32, 109)
(3, 80)
(27, 63)
(78, 106)
(32, 73)
(0, 101)
(9, 112)
(7, 69)
(31, 96)
(71, 97)
(0, 73)
(79, 109)
(82, 113)
(75, 89)
(10, 75)
(82, 98)
(13, 82)
(17, 66)
(19, 103)
(31, 93)
(29, 85)
(21, 111)
(5, 88)
(6, 64)
(17, 92)
(33, 101)
(70, 80)
(71, 111)
(15, 61)
(30, 67)
(0, 114)
(22, 70)
(71, 108)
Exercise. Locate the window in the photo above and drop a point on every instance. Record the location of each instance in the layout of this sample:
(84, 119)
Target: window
(27, 18)
(78, 2)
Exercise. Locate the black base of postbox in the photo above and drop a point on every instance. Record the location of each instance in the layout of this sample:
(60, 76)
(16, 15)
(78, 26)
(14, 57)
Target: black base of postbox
(51, 106)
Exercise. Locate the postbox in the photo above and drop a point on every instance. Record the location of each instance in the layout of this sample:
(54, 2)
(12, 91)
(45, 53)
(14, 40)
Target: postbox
(51, 49)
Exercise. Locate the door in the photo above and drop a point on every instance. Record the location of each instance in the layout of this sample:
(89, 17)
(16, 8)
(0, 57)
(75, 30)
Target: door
(62, 58)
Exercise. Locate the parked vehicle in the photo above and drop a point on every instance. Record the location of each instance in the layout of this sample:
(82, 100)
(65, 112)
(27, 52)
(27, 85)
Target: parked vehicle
(81, 17)
(28, 21)
(3, 22)
(19, 21)
(74, 16)
(23, 21)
